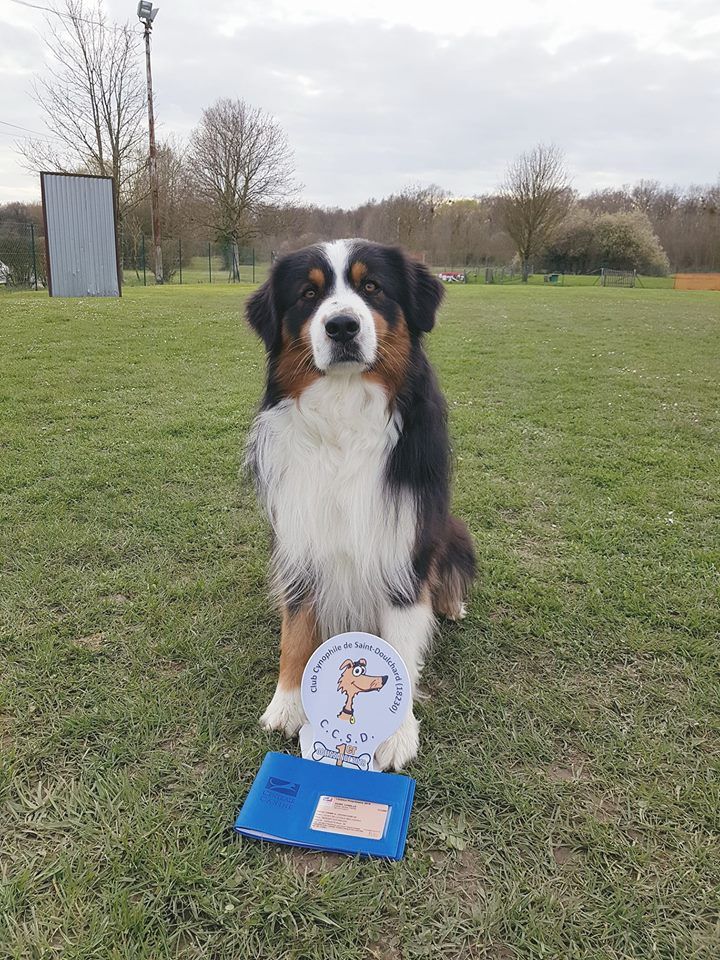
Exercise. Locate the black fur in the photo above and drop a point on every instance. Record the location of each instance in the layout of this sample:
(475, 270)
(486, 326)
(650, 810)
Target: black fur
(262, 315)
(420, 462)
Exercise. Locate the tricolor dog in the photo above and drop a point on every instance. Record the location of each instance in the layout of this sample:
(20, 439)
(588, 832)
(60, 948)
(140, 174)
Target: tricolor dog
(351, 461)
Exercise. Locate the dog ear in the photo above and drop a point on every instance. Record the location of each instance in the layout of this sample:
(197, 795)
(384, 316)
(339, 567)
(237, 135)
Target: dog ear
(262, 315)
(344, 665)
(425, 296)
(362, 662)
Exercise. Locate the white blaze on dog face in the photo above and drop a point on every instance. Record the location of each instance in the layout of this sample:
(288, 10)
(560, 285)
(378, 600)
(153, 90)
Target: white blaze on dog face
(342, 330)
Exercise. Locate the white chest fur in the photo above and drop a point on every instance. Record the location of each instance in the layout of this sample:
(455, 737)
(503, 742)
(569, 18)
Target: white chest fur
(320, 463)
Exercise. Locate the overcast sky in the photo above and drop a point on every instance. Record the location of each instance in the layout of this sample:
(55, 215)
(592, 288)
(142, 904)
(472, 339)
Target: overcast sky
(391, 92)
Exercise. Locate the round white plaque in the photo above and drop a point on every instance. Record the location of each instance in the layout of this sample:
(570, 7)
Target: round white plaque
(356, 692)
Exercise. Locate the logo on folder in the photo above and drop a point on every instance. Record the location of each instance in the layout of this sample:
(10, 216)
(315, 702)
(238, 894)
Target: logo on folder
(285, 787)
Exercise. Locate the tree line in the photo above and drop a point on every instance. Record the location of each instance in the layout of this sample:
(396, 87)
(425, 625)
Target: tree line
(233, 181)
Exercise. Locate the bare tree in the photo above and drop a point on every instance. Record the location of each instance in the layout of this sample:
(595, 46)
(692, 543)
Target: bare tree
(535, 198)
(93, 98)
(174, 192)
(175, 202)
(240, 163)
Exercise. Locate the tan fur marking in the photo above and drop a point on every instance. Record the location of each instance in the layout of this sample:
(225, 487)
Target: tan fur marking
(357, 271)
(296, 369)
(317, 277)
(393, 354)
(298, 639)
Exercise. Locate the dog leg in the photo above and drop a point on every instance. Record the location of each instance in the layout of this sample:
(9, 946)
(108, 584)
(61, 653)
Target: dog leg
(298, 639)
(409, 630)
(455, 571)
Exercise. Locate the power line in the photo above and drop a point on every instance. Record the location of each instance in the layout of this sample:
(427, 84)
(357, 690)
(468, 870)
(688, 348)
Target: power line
(46, 136)
(67, 16)
(17, 137)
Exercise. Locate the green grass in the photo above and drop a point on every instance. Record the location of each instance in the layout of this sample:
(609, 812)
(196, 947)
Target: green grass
(567, 802)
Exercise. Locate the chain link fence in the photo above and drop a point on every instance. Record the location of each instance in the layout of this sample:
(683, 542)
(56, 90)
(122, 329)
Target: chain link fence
(22, 256)
(190, 261)
(23, 262)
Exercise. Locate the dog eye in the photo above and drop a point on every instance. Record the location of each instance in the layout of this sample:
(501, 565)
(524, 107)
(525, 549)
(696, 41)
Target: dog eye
(309, 294)
(370, 286)
(358, 671)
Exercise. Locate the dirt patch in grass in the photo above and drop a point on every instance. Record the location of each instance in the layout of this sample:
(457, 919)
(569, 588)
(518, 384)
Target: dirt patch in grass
(532, 552)
(171, 668)
(603, 808)
(385, 950)
(563, 855)
(94, 641)
(179, 740)
(464, 871)
(572, 768)
(311, 863)
(500, 613)
(634, 836)
(498, 951)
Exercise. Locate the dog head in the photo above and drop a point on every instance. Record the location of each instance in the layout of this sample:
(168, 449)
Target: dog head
(353, 678)
(349, 306)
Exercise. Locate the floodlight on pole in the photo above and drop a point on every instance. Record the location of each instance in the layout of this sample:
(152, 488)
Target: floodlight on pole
(147, 13)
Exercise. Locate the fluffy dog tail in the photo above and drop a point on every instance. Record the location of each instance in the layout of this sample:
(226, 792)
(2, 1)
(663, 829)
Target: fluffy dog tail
(455, 570)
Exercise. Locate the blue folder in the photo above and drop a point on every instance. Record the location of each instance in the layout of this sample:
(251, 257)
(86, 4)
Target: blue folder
(308, 804)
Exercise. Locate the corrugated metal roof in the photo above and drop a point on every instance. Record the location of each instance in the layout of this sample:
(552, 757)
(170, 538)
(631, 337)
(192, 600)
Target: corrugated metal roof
(80, 235)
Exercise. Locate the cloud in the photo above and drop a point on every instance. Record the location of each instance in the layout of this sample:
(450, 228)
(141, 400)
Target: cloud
(368, 110)
(370, 106)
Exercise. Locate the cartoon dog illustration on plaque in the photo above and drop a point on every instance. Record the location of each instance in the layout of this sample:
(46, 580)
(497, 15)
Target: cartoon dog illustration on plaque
(353, 680)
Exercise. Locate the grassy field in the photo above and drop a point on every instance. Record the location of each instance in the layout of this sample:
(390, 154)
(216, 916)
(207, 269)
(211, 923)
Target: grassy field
(568, 792)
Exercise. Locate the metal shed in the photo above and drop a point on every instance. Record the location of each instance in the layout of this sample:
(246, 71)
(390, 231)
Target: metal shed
(80, 235)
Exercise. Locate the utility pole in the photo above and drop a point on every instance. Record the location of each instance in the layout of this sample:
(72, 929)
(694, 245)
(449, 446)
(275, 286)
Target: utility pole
(147, 13)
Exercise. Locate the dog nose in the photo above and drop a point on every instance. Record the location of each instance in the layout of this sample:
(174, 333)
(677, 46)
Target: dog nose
(384, 681)
(342, 328)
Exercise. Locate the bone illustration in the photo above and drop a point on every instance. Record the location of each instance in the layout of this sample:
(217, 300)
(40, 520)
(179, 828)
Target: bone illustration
(320, 751)
(353, 680)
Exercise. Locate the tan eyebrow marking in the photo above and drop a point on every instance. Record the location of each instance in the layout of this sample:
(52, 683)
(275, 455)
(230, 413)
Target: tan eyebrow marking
(317, 277)
(357, 272)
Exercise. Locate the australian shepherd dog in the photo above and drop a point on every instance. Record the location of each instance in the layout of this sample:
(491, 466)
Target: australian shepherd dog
(351, 461)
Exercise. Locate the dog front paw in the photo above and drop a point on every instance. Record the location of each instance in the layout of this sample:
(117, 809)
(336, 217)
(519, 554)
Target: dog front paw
(401, 747)
(284, 712)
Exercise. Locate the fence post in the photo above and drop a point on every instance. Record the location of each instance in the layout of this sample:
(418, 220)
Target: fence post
(142, 235)
(180, 256)
(209, 262)
(32, 244)
(253, 264)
